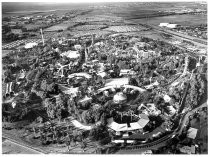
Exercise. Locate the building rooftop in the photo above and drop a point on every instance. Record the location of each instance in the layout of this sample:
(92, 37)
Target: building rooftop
(192, 133)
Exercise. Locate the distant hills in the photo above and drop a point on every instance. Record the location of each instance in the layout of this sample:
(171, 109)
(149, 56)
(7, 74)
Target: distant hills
(8, 7)
(128, 8)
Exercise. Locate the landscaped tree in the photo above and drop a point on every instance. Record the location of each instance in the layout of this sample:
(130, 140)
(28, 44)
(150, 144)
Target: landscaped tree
(98, 133)
(44, 85)
(50, 105)
(197, 91)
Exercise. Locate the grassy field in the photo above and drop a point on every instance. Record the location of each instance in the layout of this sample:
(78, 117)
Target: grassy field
(89, 32)
(95, 17)
(62, 26)
(184, 20)
(89, 27)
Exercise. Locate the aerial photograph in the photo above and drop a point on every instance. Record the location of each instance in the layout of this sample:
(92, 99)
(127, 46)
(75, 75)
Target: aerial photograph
(104, 77)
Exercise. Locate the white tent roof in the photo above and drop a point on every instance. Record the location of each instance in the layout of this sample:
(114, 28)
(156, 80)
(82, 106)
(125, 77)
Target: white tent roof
(135, 126)
(30, 45)
(143, 120)
(71, 54)
(122, 127)
(113, 125)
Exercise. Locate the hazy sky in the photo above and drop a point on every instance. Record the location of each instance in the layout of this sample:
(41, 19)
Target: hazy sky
(61, 4)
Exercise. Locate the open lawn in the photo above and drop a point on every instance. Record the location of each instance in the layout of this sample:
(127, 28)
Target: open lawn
(89, 27)
(62, 26)
(89, 32)
(184, 20)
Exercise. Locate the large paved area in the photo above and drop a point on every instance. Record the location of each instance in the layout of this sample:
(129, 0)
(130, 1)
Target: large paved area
(9, 147)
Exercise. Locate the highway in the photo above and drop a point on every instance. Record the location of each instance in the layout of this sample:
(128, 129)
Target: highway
(194, 39)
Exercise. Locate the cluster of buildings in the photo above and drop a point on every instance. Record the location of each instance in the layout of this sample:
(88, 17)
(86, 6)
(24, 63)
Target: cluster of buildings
(185, 10)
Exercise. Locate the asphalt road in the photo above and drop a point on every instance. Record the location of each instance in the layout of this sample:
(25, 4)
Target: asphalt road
(12, 146)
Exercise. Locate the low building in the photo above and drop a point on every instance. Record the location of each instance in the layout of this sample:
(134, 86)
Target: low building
(168, 25)
(156, 132)
(117, 82)
(71, 54)
(78, 47)
(147, 152)
(16, 31)
(192, 133)
(126, 72)
(141, 123)
(119, 98)
(30, 45)
(163, 24)
(187, 149)
(171, 26)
